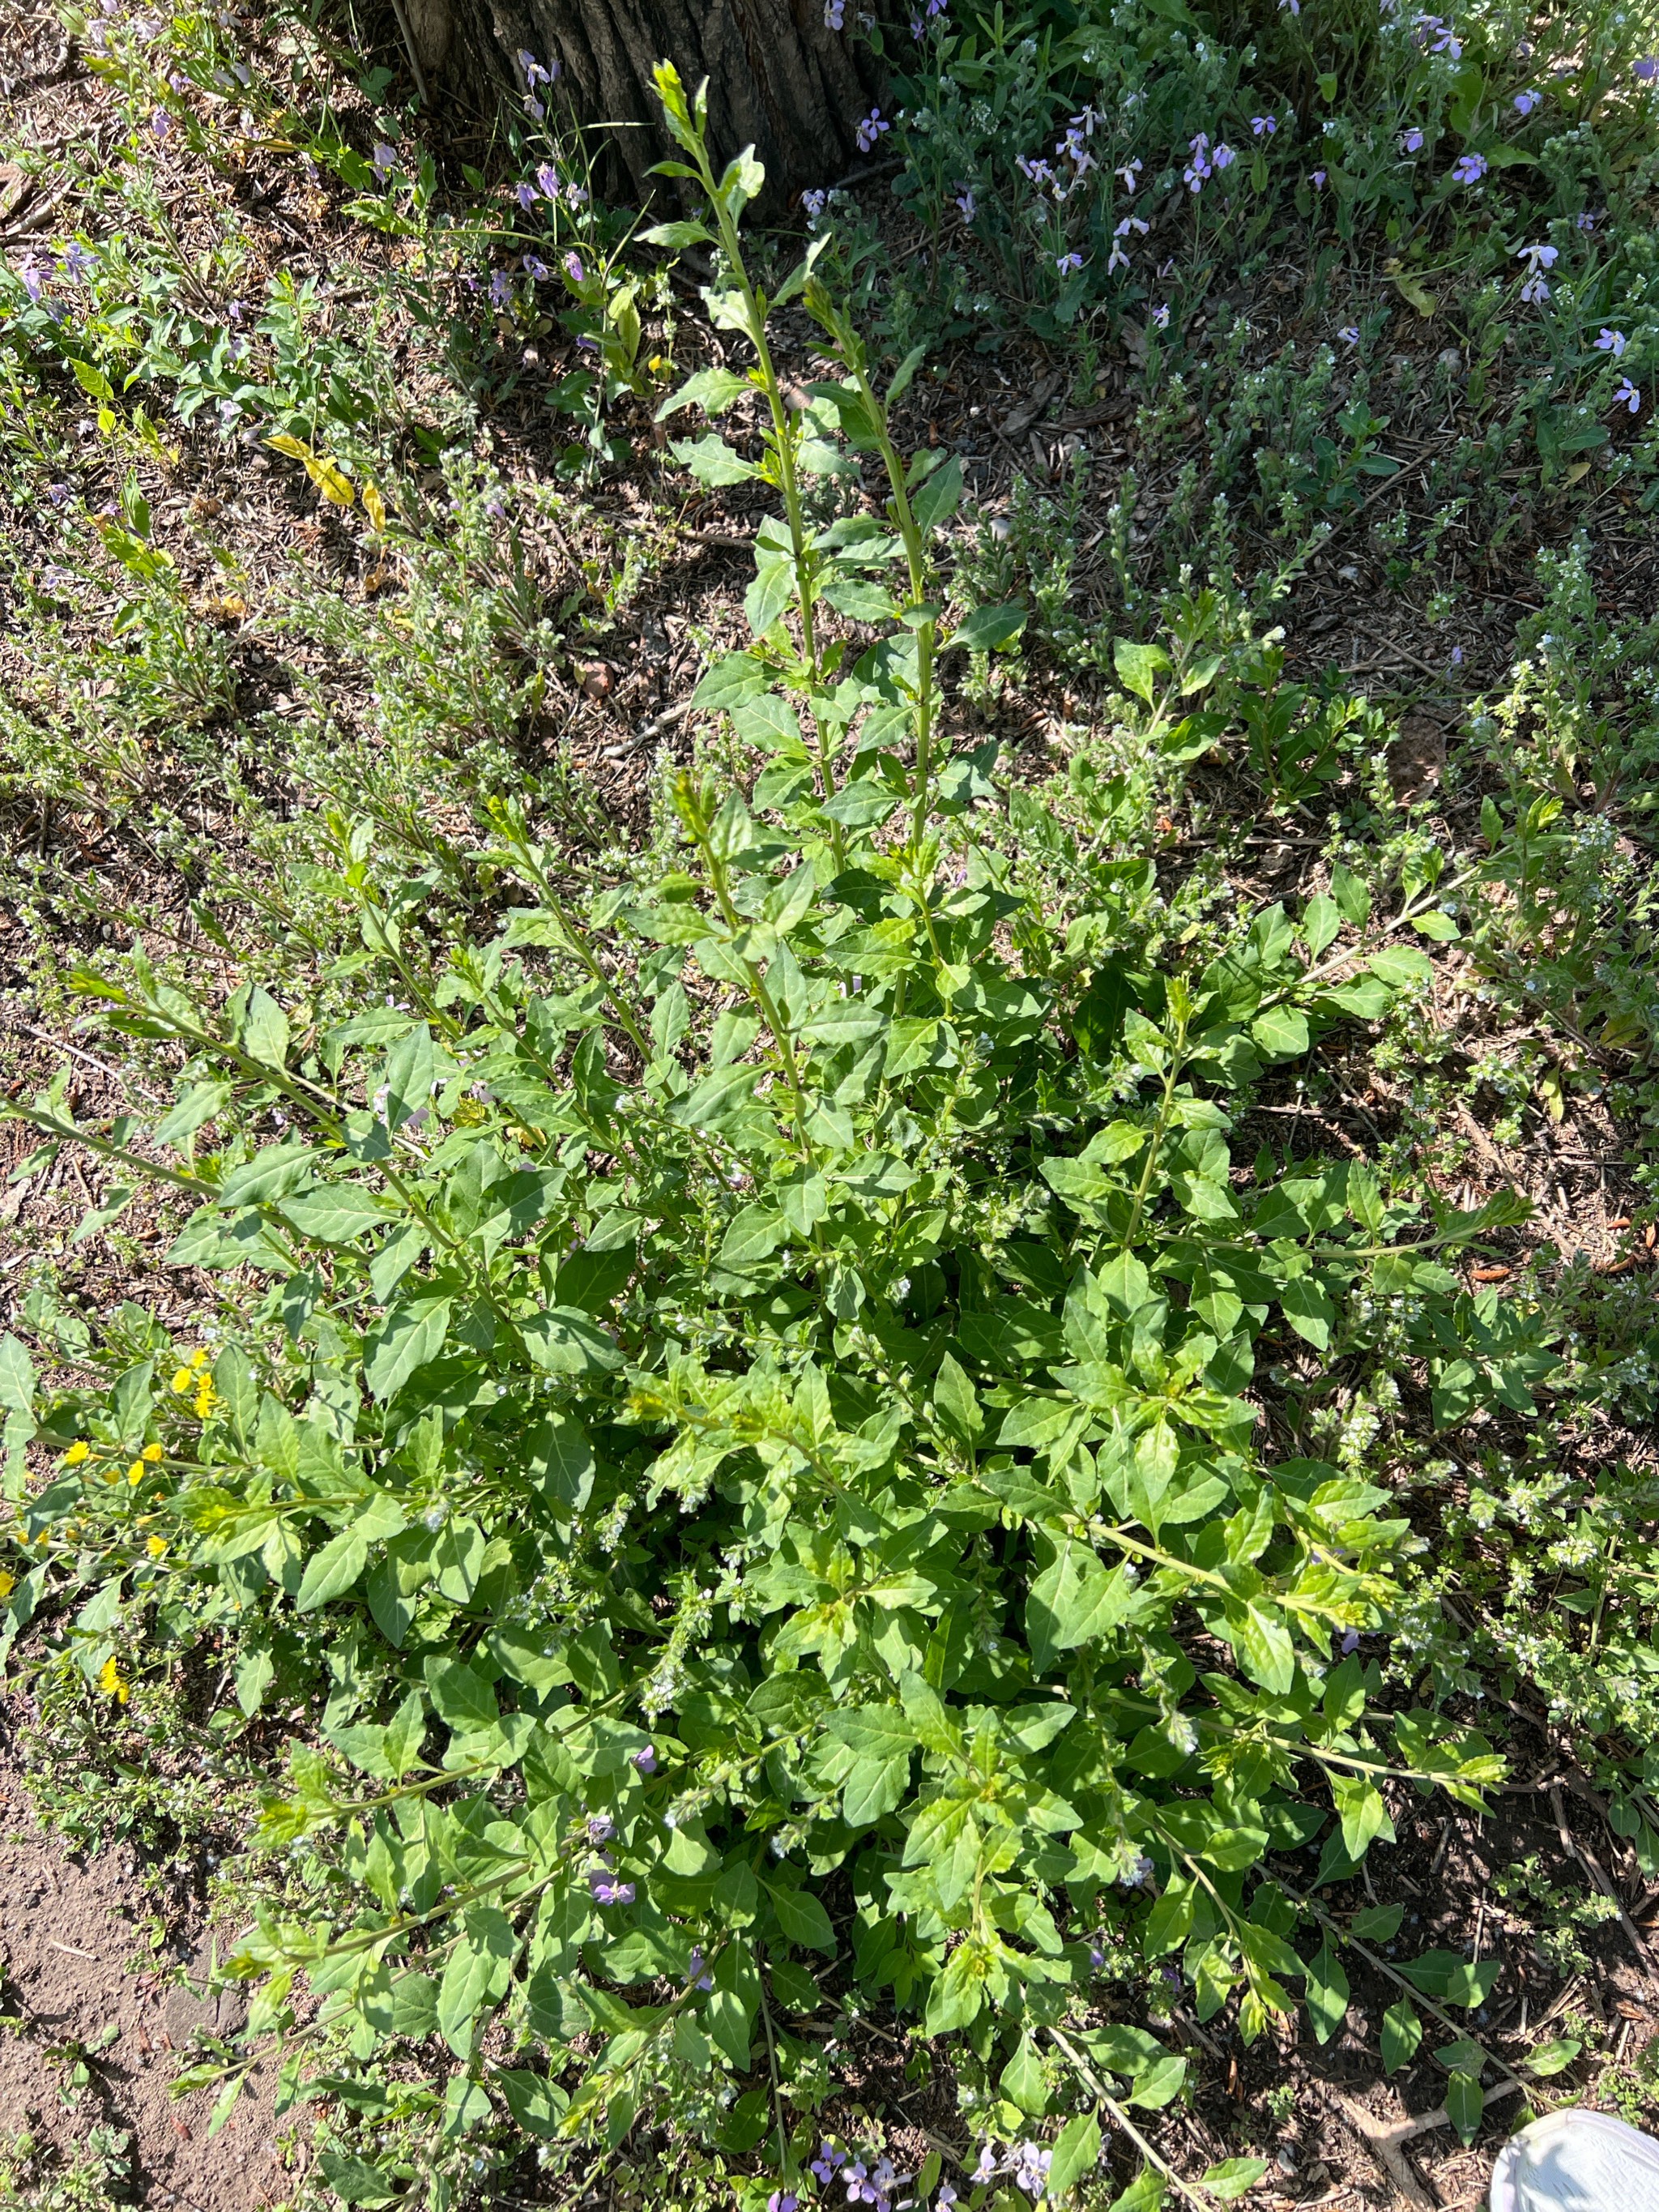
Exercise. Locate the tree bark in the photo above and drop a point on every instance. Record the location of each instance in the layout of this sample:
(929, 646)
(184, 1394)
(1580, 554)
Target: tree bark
(778, 78)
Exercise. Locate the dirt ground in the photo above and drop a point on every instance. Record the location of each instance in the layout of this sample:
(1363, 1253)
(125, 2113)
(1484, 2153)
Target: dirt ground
(76, 1965)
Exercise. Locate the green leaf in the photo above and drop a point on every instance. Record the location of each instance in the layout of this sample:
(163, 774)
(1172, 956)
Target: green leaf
(1139, 666)
(563, 1340)
(1075, 1598)
(462, 1698)
(1076, 2155)
(1363, 1815)
(1441, 927)
(1328, 1994)
(1465, 2103)
(1023, 2081)
(17, 1377)
(1281, 1032)
(712, 461)
(331, 1571)
(409, 1336)
(802, 1918)
(1232, 2177)
(475, 1977)
(986, 629)
(1402, 2033)
(1551, 2058)
(675, 235)
(1453, 1979)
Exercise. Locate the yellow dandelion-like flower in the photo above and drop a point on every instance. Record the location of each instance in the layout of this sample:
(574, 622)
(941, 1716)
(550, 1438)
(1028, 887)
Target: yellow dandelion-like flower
(111, 1682)
(78, 1450)
(152, 1452)
(206, 1400)
(155, 1545)
(183, 1382)
(198, 1359)
(8, 1583)
(136, 1472)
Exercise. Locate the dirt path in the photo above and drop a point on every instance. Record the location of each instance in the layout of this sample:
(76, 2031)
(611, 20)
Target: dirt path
(77, 1967)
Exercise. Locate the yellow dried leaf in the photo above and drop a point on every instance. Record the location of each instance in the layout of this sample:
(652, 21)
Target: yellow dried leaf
(373, 506)
(295, 448)
(331, 480)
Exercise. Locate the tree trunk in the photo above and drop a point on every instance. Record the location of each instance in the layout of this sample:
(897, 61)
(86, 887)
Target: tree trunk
(778, 78)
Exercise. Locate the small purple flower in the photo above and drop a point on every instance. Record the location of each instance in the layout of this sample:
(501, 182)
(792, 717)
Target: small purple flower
(536, 269)
(75, 262)
(1349, 335)
(1585, 221)
(385, 160)
(1350, 1636)
(1534, 291)
(697, 1970)
(1224, 157)
(1129, 172)
(1437, 36)
(501, 289)
(59, 494)
(646, 1761)
(968, 205)
(1263, 127)
(534, 73)
(573, 268)
(1526, 101)
(1317, 180)
(1411, 142)
(1097, 1957)
(918, 28)
(547, 181)
(1199, 167)
(576, 196)
(835, 14)
(600, 1826)
(525, 193)
(1295, 6)
(1161, 317)
(986, 2168)
(1066, 262)
(870, 130)
(828, 2161)
(782, 2200)
(1647, 69)
(1627, 395)
(607, 1890)
(161, 124)
(946, 2197)
(533, 108)
(1456, 662)
(1469, 169)
(1613, 342)
(32, 278)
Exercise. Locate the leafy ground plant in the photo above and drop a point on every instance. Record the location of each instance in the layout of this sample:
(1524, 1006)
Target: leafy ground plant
(771, 1406)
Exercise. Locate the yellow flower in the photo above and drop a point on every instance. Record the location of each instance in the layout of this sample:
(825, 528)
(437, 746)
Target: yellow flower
(206, 1400)
(152, 1452)
(183, 1381)
(8, 1583)
(155, 1545)
(112, 1682)
(198, 1359)
(136, 1472)
(78, 1450)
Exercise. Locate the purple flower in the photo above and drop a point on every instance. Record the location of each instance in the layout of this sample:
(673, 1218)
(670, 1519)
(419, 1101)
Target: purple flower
(697, 1970)
(59, 494)
(1534, 291)
(525, 193)
(1456, 662)
(986, 2168)
(946, 2197)
(967, 203)
(533, 108)
(161, 124)
(1437, 36)
(1097, 1957)
(1031, 2164)
(1129, 172)
(1470, 168)
(1411, 142)
(646, 1760)
(1627, 395)
(385, 160)
(547, 178)
(607, 1890)
(870, 130)
(534, 73)
(536, 269)
(827, 2160)
(574, 270)
(32, 278)
(501, 289)
(75, 262)
(1317, 180)
(1350, 1636)
(918, 28)
(1263, 127)
(1647, 69)
(575, 195)
(1064, 262)
(1198, 166)
(1161, 317)
(1295, 6)
(600, 1826)
(1613, 342)
(1349, 335)
(835, 14)
(1526, 101)
(1224, 157)
(782, 2200)
(1584, 223)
